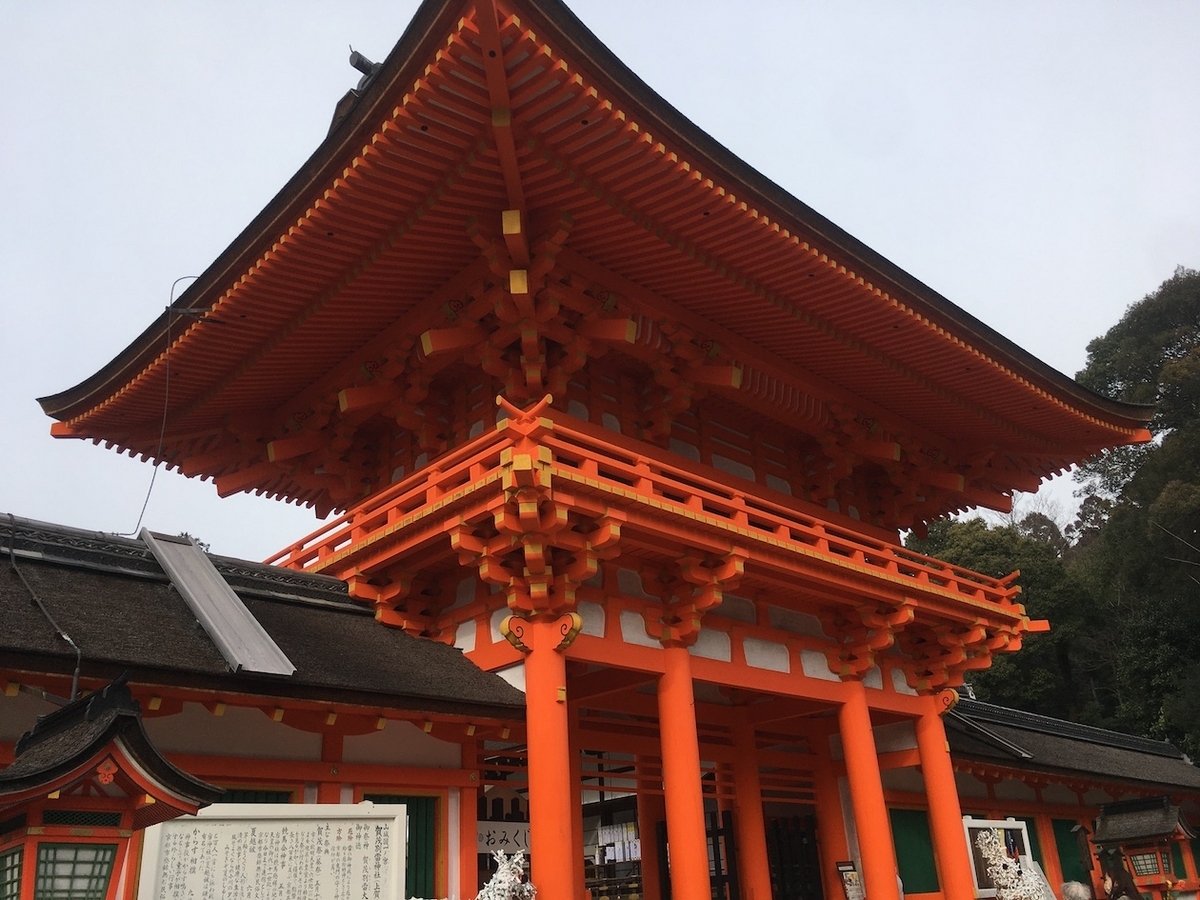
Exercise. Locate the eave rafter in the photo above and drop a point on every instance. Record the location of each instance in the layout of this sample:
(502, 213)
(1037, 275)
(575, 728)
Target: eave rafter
(494, 66)
(613, 182)
(494, 123)
(621, 201)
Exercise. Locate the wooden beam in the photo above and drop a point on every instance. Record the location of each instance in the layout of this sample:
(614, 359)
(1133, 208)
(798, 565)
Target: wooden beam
(206, 463)
(486, 18)
(884, 451)
(444, 340)
(621, 331)
(366, 397)
(607, 681)
(247, 479)
(716, 376)
(298, 445)
(513, 226)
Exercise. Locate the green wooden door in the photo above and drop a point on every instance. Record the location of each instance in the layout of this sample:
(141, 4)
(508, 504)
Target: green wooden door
(421, 863)
(914, 850)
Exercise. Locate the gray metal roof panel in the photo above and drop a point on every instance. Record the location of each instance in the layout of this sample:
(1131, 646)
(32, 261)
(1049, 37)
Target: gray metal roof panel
(243, 642)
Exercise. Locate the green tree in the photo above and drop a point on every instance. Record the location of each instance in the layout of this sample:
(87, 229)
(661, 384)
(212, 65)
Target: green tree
(1121, 584)
(1139, 530)
(1051, 673)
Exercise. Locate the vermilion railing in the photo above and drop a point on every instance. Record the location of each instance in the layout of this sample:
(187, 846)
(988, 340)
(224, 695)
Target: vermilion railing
(611, 464)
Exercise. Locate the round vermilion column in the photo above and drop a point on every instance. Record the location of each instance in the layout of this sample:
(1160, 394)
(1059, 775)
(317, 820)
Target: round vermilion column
(576, 796)
(866, 796)
(468, 824)
(551, 799)
(754, 868)
(945, 814)
(681, 777)
(650, 811)
(831, 826)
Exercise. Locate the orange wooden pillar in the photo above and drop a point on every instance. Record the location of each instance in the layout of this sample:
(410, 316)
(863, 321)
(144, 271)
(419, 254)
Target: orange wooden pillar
(686, 838)
(551, 798)
(875, 845)
(650, 811)
(754, 869)
(1050, 862)
(575, 750)
(468, 824)
(831, 826)
(945, 814)
(330, 791)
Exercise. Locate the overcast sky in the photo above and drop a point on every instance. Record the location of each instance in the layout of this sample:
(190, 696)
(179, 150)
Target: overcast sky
(1036, 163)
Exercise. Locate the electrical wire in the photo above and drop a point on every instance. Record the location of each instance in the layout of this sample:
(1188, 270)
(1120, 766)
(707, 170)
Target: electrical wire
(162, 432)
(12, 563)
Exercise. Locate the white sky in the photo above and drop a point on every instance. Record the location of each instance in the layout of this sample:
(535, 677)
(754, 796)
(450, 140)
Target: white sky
(1036, 163)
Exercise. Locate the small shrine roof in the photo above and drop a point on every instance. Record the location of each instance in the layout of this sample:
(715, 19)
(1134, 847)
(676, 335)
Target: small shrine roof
(64, 747)
(1130, 821)
(110, 594)
(1017, 739)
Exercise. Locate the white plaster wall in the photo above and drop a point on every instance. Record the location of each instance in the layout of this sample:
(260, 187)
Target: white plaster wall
(969, 786)
(815, 665)
(592, 615)
(401, 744)
(514, 675)
(897, 736)
(464, 636)
(629, 583)
(795, 622)
(1057, 793)
(738, 608)
(766, 655)
(733, 467)
(633, 629)
(239, 732)
(908, 780)
(1011, 789)
(712, 645)
(900, 683)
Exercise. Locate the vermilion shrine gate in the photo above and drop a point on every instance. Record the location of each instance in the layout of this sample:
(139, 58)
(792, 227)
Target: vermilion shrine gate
(613, 413)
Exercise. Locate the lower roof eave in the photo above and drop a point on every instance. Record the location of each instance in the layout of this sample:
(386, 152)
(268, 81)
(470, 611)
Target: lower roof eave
(250, 690)
(1055, 773)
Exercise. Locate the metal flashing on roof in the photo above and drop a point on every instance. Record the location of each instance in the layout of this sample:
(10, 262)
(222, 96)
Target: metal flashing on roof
(970, 725)
(243, 642)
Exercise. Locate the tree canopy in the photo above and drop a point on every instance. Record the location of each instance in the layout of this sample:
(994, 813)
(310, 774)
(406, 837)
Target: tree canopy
(1121, 583)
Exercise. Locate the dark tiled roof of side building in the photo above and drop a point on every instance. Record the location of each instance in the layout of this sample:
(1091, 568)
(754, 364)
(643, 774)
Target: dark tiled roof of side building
(1017, 739)
(113, 598)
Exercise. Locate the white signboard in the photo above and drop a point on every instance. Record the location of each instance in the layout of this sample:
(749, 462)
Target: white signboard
(278, 851)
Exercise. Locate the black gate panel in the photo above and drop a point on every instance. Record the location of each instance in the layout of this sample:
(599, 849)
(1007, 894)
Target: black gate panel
(792, 854)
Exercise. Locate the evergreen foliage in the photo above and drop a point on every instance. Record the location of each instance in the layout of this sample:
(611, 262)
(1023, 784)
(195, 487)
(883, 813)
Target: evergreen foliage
(1121, 583)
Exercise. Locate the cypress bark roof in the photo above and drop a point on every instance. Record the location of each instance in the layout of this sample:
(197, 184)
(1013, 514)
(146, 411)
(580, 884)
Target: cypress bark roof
(1017, 739)
(114, 600)
(1130, 821)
